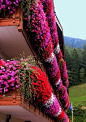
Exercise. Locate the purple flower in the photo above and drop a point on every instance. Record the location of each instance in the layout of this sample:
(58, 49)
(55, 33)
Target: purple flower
(17, 86)
(54, 109)
(29, 65)
(6, 90)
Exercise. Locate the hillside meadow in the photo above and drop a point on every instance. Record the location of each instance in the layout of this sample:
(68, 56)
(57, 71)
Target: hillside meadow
(77, 95)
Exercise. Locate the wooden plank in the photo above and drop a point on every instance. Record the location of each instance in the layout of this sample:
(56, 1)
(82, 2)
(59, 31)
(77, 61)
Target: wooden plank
(13, 19)
(20, 27)
(9, 101)
(9, 22)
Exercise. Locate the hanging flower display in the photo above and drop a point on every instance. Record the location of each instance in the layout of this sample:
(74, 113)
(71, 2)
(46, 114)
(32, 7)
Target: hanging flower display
(40, 19)
(44, 43)
(63, 117)
(49, 10)
(39, 81)
(9, 75)
(13, 73)
(41, 85)
(39, 27)
(40, 31)
(64, 75)
(9, 5)
(54, 73)
(63, 95)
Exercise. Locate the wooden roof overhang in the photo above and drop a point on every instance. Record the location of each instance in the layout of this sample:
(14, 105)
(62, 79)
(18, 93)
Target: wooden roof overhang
(12, 36)
(60, 34)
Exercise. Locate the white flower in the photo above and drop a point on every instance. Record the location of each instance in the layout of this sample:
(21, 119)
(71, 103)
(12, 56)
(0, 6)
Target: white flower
(50, 101)
(50, 58)
(58, 82)
(57, 49)
(58, 112)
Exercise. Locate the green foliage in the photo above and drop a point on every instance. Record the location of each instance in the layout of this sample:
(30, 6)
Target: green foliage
(84, 59)
(76, 65)
(77, 95)
(77, 75)
(68, 59)
(82, 73)
(80, 54)
(70, 77)
(25, 70)
(25, 5)
(79, 114)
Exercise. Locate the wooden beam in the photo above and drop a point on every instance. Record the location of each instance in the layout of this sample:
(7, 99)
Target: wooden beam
(58, 23)
(14, 19)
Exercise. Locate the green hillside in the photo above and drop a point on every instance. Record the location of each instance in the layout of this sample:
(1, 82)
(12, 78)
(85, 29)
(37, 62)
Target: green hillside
(77, 95)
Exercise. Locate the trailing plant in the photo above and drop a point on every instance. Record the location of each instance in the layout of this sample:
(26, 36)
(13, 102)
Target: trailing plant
(34, 84)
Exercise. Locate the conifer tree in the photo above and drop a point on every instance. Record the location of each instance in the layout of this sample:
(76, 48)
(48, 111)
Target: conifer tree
(84, 60)
(80, 54)
(68, 59)
(75, 67)
(82, 73)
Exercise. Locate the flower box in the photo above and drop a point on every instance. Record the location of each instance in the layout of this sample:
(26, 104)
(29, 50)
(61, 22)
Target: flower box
(12, 19)
(11, 100)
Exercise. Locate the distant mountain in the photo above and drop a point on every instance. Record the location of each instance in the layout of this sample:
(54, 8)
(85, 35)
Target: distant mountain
(74, 42)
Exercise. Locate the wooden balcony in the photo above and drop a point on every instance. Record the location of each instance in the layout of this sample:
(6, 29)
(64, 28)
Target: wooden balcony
(13, 103)
(14, 40)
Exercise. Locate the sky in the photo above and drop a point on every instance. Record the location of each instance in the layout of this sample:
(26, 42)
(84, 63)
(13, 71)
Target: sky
(72, 16)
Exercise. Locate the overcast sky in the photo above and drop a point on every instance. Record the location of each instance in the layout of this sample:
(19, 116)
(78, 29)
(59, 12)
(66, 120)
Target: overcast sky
(72, 16)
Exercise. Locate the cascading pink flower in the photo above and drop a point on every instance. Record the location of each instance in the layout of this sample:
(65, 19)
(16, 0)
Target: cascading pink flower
(39, 27)
(9, 5)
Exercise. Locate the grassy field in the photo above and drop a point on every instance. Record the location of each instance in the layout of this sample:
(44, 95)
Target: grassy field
(77, 95)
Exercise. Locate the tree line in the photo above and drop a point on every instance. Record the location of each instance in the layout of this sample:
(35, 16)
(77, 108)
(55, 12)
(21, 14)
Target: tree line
(76, 64)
